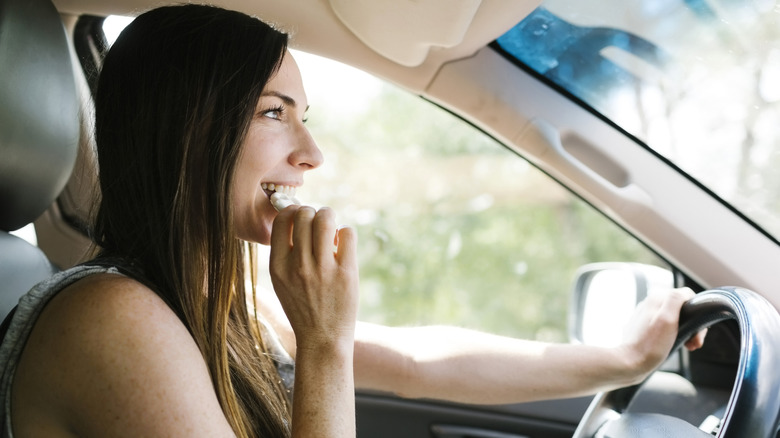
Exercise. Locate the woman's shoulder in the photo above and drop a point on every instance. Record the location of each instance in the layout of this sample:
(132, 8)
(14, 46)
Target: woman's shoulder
(107, 354)
(107, 307)
(108, 299)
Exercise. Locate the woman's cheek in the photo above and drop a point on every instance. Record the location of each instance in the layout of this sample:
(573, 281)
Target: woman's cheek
(253, 218)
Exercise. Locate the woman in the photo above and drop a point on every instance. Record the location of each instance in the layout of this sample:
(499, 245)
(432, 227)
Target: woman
(199, 118)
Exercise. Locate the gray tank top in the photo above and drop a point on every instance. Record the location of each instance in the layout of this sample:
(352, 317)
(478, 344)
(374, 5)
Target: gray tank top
(30, 307)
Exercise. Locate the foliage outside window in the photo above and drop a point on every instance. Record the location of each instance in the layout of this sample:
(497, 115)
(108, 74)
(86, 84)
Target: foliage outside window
(453, 227)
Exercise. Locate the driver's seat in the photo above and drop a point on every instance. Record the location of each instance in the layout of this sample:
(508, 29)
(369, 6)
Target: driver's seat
(39, 134)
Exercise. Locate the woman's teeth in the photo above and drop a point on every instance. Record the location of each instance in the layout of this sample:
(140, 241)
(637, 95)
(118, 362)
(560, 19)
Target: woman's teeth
(282, 196)
(271, 187)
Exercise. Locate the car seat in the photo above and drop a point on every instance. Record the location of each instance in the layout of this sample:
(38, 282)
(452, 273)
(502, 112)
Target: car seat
(39, 134)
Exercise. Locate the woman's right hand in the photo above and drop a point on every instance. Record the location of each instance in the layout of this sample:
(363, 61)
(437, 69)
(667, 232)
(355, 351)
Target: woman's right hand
(315, 274)
(314, 271)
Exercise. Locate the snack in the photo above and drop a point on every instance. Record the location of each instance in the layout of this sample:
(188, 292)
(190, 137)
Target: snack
(280, 201)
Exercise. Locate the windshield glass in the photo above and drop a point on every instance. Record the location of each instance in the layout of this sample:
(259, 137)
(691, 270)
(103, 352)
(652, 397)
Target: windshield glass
(698, 81)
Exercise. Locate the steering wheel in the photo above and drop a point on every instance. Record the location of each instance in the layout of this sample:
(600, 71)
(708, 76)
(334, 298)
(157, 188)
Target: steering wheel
(753, 409)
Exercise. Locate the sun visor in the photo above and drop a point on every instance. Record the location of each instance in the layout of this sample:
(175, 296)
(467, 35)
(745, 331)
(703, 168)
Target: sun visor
(404, 31)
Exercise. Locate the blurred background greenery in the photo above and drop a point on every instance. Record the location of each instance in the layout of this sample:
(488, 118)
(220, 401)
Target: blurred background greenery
(453, 227)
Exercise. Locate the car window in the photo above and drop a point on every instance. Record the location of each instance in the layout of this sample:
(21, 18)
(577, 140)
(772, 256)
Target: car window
(454, 228)
(27, 233)
(696, 81)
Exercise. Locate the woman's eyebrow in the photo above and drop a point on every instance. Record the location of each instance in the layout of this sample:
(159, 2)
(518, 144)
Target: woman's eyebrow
(285, 98)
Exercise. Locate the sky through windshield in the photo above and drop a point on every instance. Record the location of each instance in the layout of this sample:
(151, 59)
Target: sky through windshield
(697, 80)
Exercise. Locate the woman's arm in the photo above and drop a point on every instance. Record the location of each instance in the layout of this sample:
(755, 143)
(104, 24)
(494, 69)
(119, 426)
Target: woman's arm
(466, 366)
(317, 287)
(462, 365)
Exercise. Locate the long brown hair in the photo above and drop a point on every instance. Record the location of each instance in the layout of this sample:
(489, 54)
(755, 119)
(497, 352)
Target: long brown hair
(175, 97)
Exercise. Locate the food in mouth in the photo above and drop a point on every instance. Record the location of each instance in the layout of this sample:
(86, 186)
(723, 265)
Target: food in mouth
(280, 201)
(281, 196)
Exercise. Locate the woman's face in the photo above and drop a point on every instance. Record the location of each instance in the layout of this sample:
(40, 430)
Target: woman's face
(277, 151)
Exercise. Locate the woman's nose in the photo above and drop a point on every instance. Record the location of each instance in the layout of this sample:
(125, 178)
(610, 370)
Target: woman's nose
(306, 154)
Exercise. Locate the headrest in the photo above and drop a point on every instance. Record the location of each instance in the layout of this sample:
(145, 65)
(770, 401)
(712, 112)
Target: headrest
(39, 112)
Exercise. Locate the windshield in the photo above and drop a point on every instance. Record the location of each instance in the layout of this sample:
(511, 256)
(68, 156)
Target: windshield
(698, 81)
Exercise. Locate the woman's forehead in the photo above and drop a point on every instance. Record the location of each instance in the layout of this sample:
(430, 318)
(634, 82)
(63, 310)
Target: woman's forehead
(287, 81)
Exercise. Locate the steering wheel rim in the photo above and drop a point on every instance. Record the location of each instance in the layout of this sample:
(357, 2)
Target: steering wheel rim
(753, 409)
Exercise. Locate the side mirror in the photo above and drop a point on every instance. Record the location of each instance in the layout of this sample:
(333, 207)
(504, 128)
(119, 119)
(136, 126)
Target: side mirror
(604, 296)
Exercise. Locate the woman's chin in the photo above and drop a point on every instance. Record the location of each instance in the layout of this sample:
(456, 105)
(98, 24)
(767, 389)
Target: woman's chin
(263, 236)
(260, 231)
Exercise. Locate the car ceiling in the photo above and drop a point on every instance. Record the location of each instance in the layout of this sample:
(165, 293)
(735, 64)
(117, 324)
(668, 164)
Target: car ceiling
(377, 36)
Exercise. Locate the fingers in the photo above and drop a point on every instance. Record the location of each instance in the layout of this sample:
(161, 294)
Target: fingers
(697, 341)
(665, 305)
(302, 232)
(682, 295)
(676, 299)
(654, 327)
(323, 235)
(311, 232)
(314, 273)
(281, 233)
(346, 241)
(301, 227)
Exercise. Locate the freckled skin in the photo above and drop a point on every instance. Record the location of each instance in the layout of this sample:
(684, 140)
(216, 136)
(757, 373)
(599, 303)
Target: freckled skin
(109, 358)
(106, 352)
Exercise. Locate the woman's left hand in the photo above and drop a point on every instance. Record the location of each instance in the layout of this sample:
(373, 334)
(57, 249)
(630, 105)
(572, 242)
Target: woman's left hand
(652, 331)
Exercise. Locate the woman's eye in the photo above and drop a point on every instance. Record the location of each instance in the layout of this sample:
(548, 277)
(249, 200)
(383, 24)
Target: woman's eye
(274, 113)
